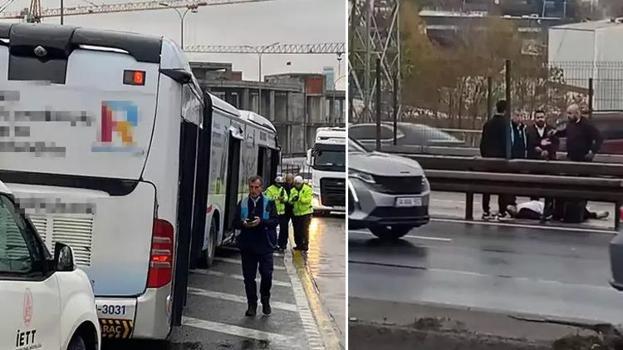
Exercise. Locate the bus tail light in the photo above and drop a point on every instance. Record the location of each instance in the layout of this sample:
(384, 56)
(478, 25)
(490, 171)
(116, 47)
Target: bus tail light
(161, 257)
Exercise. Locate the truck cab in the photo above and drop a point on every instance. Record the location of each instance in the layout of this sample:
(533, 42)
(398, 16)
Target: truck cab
(327, 160)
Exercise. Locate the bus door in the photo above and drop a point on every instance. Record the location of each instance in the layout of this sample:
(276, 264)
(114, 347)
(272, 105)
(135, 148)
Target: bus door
(233, 175)
(201, 184)
(187, 169)
(274, 162)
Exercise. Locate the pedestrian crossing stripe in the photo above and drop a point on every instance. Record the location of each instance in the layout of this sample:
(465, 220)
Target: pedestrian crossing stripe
(116, 329)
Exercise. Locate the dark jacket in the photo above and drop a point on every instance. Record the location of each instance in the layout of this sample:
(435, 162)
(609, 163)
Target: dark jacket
(534, 141)
(263, 238)
(518, 141)
(493, 140)
(582, 137)
(289, 206)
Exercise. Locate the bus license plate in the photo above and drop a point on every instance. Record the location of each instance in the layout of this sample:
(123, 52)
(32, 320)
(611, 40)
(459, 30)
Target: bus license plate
(402, 202)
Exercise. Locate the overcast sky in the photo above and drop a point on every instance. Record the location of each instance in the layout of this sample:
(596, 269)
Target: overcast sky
(262, 23)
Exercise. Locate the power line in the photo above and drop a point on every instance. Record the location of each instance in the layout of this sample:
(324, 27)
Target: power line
(314, 49)
(125, 7)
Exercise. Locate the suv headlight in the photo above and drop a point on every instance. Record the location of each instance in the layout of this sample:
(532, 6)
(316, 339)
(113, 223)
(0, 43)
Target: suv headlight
(425, 184)
(365, 177)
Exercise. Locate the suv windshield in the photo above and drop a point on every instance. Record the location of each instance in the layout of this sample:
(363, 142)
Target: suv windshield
(354, 146)
(19, 251)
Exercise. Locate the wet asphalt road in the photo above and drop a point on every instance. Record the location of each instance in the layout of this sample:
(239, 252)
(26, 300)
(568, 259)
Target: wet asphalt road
(327, 263)
(556, 273)
(216, 299)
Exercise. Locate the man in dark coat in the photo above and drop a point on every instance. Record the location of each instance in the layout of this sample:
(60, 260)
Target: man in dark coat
(542, 145)
(493, 145)
(256, 218)
(583, 142)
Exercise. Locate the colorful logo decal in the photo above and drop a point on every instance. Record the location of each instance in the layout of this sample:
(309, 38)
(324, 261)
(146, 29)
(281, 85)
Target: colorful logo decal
(116, 134)
(27, 308)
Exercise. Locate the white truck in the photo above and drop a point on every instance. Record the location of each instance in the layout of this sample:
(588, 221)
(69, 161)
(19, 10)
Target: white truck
(327, 160)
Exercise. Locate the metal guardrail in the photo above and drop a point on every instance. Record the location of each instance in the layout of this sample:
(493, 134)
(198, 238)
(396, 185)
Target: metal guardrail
(475, 152)
(587, 181)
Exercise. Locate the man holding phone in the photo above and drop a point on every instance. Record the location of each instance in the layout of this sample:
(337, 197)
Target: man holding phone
(256, 218)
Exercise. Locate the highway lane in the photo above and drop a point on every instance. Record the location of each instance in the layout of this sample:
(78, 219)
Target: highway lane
(554, 273)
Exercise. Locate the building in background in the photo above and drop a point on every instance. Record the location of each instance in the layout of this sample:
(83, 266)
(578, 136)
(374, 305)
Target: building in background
(584, 51)
(329, 78)
(296, 103)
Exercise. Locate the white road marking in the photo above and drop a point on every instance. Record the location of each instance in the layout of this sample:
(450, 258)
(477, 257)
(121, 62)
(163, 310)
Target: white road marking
(237, 331)
(238, 299)
(553, 228)
(425, 238)
(234, 276)
(314, 339)
(605, 288)
(237, 261)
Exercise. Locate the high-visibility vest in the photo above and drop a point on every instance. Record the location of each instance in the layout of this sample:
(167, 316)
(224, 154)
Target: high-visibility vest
(303, 205)
(244, 208)
(279, 196)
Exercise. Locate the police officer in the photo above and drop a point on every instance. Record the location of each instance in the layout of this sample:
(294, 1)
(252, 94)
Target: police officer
(285, 223)
(279, 195)
(301, 198)
(256, 218)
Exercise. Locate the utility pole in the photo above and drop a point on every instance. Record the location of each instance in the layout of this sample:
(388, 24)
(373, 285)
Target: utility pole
(373, 34)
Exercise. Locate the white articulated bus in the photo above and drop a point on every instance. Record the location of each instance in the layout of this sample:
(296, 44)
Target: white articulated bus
(110, 145)
(241, 147)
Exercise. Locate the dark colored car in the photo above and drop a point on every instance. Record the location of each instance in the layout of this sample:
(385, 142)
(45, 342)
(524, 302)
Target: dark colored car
(409, 136)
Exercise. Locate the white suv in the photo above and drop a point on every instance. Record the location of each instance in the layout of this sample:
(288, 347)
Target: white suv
(47, 303)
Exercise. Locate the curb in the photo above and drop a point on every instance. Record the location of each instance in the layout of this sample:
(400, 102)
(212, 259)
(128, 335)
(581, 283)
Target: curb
(324, 322)
(369, 336)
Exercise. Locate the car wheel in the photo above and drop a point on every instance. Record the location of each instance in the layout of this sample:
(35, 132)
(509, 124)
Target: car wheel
(77, 343)
(211, 249)
(390, 232)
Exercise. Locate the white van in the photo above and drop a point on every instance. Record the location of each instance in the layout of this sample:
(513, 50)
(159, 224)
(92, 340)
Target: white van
(47, 303)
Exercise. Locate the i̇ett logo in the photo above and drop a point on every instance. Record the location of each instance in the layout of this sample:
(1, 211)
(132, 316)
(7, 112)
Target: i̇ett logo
(27, 308)
(116, 132)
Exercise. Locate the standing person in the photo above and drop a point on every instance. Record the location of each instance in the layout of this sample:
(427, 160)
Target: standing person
(493, 145)
(256, 218)
(583, 142)
(542, 145)
(301, 199)
(583, 138)
(284, 223)
(519, 144)
(279, 195)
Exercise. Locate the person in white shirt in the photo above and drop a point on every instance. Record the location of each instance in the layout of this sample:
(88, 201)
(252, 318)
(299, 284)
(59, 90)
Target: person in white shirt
(533, 210)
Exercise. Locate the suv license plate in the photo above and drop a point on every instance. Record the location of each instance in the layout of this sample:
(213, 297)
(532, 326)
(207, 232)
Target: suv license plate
(409, 202)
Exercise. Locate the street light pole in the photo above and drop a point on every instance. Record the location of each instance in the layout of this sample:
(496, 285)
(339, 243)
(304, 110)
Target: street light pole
(194, 8)
(260, 51)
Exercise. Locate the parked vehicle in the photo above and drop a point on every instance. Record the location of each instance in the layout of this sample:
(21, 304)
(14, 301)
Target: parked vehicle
(47, 303)
(387, 194)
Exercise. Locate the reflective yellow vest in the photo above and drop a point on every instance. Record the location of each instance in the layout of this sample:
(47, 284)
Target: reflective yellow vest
(279, 196)
(303, 203)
